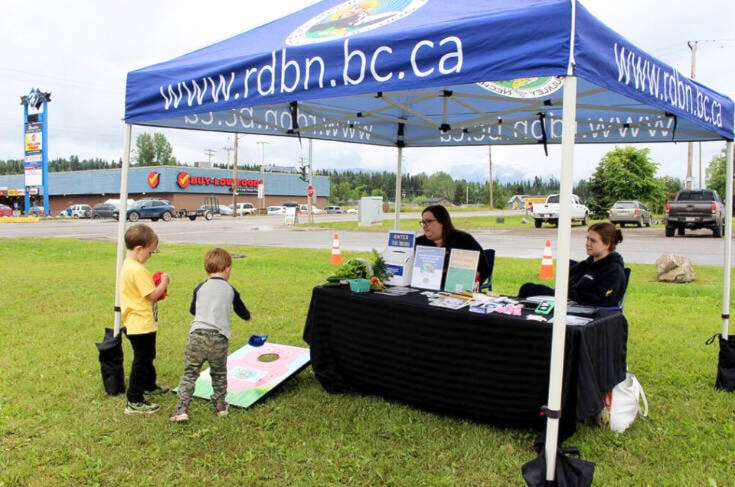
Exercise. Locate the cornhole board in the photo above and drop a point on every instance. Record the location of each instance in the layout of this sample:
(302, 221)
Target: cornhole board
(254, 372)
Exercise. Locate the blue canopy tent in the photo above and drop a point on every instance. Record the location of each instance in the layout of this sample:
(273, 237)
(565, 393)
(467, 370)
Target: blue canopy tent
(434, 73)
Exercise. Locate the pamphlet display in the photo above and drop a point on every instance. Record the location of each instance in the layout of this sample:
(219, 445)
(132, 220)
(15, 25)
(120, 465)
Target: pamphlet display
(398, 256)
(428, 267)
(462, 270)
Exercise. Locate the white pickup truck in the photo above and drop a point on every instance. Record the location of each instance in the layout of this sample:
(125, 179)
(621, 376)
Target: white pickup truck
(549, 211)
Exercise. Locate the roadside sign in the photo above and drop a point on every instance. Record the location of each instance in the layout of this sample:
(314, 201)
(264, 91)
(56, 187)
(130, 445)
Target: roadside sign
(310, 191)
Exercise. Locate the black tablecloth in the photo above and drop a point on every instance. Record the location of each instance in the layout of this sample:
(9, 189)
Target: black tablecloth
(491, 368)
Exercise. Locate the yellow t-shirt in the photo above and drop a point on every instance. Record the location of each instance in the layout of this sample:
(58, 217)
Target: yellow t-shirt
(137, 311)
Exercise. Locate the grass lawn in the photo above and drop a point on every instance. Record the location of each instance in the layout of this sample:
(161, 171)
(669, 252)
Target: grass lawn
(58, 427)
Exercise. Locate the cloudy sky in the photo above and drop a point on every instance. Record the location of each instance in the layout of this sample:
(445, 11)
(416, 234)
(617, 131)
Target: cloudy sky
(81, 51)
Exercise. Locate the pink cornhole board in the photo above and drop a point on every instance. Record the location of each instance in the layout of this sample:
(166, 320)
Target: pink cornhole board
(253, 372)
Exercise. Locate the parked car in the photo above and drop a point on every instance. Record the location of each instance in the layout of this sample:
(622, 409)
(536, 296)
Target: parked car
(218, 210)
(548, 212)
(151, 209)
(315, 210)
(36, 211)
(5, 210)
(244, 209)
(78, 211)
(629, 211)
(333, 209)
(351, 211)
(695, 209)
(276, 210)
(103, 210)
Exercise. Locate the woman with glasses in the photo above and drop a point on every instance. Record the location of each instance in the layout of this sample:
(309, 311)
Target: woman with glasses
(440, 232)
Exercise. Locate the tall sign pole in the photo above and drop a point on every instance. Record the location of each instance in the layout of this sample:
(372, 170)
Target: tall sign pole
(35, 133)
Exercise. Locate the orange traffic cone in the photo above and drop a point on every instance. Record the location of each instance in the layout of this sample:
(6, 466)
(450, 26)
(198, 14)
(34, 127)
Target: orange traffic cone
(336, 254)
(547, 264)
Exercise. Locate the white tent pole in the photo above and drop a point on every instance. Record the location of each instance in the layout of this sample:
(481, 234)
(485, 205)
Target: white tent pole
(397, 225)
(564, 229)
(121, 221)
(727, 265)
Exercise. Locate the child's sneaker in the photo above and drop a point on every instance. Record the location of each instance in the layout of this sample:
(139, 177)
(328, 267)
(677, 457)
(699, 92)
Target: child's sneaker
(157, 391)
(144, 407)
(180, 415)
(222, 409)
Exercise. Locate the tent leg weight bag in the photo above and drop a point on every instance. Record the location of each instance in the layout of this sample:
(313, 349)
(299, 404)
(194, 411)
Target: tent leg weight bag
(726, 363)
(111, 363)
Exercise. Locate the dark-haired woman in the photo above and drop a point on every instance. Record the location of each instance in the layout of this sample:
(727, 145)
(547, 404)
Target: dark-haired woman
(599, 280)
(440, 232)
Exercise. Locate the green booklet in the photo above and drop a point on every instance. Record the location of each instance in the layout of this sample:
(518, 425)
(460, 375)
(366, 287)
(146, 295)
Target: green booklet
(462, 270)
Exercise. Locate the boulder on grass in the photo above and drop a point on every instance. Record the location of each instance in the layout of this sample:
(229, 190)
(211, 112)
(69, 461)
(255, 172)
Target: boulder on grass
(674, 268)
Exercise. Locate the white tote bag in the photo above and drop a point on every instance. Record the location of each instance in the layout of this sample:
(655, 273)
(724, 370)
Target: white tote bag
(625, 404)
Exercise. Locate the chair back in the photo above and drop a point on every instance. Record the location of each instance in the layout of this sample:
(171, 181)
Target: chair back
(490, 259)
(626, 270)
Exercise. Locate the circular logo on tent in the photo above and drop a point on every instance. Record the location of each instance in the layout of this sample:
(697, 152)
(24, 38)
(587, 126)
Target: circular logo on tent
(525, 87)
(352, 17)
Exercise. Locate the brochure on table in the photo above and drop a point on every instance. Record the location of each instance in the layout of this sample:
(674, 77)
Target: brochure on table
(398, 256)
(462, 270)
(428, 266)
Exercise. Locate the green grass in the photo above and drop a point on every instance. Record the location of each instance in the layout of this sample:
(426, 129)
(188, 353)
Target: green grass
(58, 427)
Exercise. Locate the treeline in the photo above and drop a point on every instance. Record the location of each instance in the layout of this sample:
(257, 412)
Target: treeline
(61, 165)
(352, 185)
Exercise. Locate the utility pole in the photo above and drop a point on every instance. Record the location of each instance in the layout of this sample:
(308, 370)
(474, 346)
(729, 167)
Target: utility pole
(234, 179)
(490, 163)
(210, 153)
(690, 148)
(262, 144)
(311, 213)
(228, 150)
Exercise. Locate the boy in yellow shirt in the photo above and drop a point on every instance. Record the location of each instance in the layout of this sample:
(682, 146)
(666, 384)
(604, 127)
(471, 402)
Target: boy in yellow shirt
(139, 305)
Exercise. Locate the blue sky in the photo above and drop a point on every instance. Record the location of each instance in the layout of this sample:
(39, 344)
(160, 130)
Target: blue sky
(81, 51)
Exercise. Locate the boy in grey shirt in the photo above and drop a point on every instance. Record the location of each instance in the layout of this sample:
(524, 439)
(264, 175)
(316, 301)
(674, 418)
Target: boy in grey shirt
(209, 335)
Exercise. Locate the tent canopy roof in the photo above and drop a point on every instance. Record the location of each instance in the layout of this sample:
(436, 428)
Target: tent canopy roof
(424, 73)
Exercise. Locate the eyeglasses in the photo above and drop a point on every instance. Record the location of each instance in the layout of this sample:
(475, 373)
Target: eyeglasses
(426, 223)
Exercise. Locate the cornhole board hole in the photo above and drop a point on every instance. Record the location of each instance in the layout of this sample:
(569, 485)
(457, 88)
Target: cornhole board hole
(254, 372)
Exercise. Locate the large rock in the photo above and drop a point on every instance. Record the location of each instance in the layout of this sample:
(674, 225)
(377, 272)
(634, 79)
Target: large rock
(674, 268)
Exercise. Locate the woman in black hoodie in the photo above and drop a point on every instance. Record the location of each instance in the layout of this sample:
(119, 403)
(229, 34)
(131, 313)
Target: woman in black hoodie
(599, 280)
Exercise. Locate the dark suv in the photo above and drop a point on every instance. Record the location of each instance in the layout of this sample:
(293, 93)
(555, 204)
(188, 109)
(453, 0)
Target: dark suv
(151, 209)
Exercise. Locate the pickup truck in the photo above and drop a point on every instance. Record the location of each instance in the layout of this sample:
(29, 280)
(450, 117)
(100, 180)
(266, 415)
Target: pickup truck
(549, 211)
(694, 209)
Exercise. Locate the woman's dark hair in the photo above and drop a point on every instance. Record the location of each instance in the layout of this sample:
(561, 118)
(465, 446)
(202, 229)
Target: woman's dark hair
(610, 235)
(442, 216)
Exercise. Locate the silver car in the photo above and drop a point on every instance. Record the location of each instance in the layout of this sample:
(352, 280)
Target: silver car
(629, 211)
